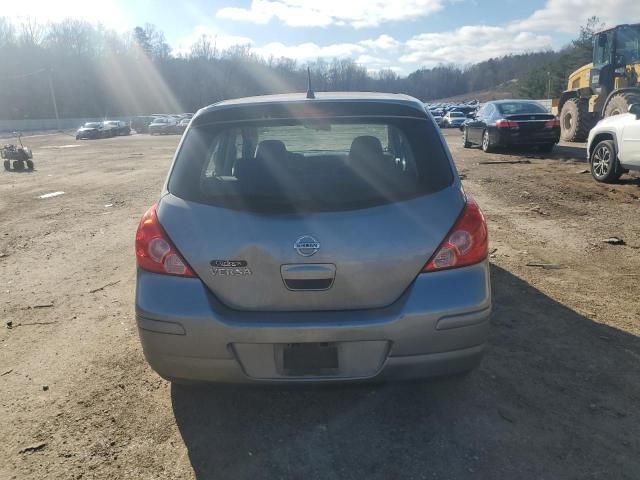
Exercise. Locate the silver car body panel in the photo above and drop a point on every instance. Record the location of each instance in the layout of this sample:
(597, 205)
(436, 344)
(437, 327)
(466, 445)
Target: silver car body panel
(377, 252)
(434, 328)
(385, 319)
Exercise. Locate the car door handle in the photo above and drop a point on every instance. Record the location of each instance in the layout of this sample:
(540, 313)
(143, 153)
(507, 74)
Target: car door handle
(308, 271)
(308, 276)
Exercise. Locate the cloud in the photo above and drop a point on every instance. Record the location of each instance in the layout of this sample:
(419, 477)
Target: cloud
(465, 45)
(109, 12)
(383, 42)
(568, 15)
(322, 13)
(370, 60)
(309, 51)
(470, 44)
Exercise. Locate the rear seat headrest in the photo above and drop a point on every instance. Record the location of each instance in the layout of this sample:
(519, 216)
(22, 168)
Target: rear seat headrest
(270, 150)
(366, 147)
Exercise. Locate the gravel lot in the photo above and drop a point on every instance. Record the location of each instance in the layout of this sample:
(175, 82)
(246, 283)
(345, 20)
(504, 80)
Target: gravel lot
(555, 398)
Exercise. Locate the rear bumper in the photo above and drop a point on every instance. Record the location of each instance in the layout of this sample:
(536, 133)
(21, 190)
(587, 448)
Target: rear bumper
(545, 137)
(87, 135)
(439, 326)
(159, 130)
(184, 368)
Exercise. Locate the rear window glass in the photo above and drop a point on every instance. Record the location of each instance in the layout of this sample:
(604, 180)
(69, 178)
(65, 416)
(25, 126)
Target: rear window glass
(456, 114)
(308, 166)
(516, 108)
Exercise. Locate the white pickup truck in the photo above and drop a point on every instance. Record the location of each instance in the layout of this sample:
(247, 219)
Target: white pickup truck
(613, 147)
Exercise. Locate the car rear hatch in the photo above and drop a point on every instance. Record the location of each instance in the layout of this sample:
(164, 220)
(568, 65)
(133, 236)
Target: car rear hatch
(364, 259)
(293, 236)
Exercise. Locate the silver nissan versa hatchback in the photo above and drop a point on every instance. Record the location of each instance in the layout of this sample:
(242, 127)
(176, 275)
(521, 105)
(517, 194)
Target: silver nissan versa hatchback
(312, 239)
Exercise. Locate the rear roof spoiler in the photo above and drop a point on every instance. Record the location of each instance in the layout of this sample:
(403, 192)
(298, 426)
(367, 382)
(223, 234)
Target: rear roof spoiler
(307, 109)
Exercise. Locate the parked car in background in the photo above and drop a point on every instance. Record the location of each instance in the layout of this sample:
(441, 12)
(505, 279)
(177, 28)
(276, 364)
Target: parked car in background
(119, 127)
(453, 119)
(614, 146)
(93, 130)
(163, 126)
(505, 123)
(141, 124)
(182, 125)
(249, 272)
(468, 111)
(437, 115)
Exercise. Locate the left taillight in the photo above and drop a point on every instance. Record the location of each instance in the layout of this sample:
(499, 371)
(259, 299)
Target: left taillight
(552, 123)
(467, 243)
(502, 123)
(154, 250)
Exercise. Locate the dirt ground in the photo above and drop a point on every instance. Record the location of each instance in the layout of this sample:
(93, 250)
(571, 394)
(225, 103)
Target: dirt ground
(556, 396)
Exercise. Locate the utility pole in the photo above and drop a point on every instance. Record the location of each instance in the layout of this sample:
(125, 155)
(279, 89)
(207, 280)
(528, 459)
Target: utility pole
(53, 99)
(548, 85)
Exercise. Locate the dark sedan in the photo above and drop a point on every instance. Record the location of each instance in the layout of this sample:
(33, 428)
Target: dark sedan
(141, 124)
(118, 127)
(506, 123)
(93, 130)
(163, 126)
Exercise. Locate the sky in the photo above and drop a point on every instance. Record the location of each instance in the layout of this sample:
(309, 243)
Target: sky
(402, 35)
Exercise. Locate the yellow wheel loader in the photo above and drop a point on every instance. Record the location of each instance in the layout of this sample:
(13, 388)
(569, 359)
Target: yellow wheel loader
(605, 87)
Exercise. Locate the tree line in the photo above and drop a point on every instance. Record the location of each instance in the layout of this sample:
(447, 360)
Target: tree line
(95, 72)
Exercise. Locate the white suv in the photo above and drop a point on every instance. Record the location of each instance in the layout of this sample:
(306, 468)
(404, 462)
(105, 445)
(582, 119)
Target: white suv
(613, 147)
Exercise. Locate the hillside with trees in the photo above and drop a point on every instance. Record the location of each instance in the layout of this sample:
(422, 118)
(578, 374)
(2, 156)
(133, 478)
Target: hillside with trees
(96, 72)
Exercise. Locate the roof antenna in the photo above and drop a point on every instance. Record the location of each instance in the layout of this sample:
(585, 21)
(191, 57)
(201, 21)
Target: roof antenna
(310, 94)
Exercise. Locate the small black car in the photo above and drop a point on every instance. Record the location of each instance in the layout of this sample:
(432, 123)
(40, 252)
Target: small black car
(93, 130)
(141, 124)
(506, 123)
(163, 126)
(119, 127)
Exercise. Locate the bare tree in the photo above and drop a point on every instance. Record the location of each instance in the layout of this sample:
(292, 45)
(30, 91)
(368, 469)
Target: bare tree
(204, 48)
(73, 37)
(7, 32)
(31, 32)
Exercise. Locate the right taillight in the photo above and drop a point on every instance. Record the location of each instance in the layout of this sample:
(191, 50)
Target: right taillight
(467, 243)
(154, 250)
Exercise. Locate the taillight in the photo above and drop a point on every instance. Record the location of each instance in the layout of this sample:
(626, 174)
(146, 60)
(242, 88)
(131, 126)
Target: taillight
(552, 123)
(466, 244)
(502, 123)
(154, 250)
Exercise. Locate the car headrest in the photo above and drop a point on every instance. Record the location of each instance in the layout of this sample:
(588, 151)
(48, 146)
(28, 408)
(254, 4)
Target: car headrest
(271, 150)
(270, 160)
(366, 148)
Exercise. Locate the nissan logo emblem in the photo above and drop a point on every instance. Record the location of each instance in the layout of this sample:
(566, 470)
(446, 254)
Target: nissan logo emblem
(306, 245)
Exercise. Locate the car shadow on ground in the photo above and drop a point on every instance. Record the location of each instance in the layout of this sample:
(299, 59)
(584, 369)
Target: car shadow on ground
(555, 397)
(627, 180)
(560, 152)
